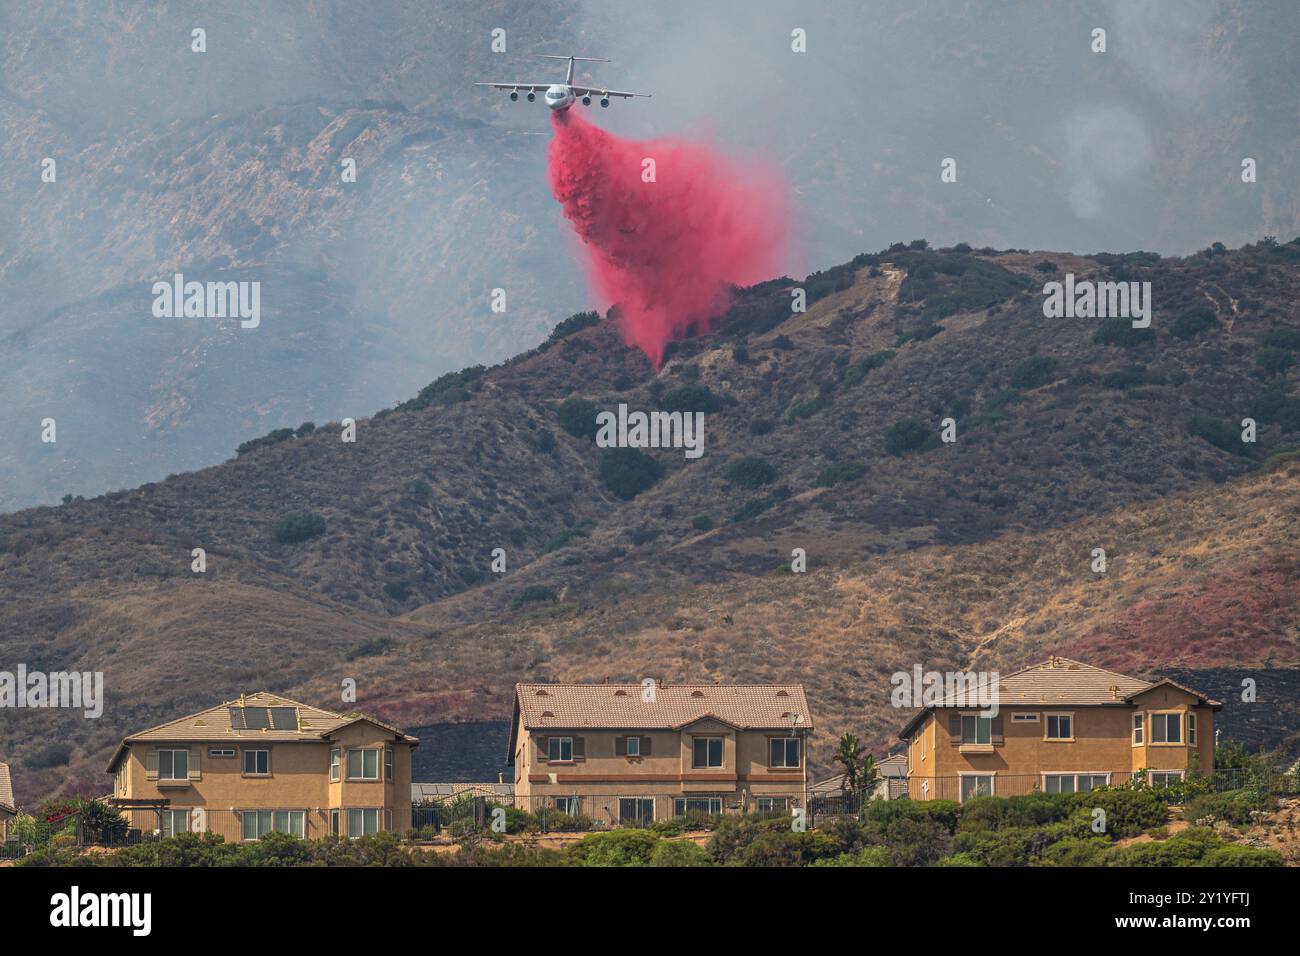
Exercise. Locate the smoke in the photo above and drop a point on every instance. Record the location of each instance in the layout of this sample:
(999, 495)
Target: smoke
(667, 226)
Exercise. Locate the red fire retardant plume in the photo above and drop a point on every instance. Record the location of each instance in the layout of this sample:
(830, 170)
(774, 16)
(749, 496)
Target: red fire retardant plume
(665, 251)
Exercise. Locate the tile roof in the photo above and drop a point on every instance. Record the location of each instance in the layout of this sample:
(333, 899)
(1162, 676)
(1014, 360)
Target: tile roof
(620, 706)
(6, 788)
(219, 724)
(443, 791)
(1061, 682)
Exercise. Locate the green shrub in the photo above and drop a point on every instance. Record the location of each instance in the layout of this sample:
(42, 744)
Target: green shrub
(752, 509)
(1192, 322)
(622, 847)
(375, 647)
(702, 523)
(574, 323)
(858, 370)
(1128, 812)
(1236, 855)
(1219, 434)
(998, 813)
(1231, 806)
(679, 853)
(1120, 332)
(1185, 849)
(293, 528)
(842, 471)
(906, 435)
(751, 472)
(531, 595)
(1033, 371)
(1274, 361)
(1282, 338)
(809, 408)
(628, 471)
(1125, 377)
(867, 856)
(577, 416)
(1076, 851)
(690, 398)
(271, 438)
(453, 385)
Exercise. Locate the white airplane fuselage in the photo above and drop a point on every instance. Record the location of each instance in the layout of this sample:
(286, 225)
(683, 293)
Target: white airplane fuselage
(559, 97)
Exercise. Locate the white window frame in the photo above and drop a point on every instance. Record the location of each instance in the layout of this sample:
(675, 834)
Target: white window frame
(1191, 728)
(722, 752)
(785, 753)
(388, 763)
(169, 817)
(362, 777)
(1151, 776)
(363, 811)
(221, 753)
(618, 804)
(251, 752)
(980, 721)
(336, 764)
(556, 744)
(711, 798)
(1024, 718)
(633, 746)
(781, 804)
(170, 775)
(1047, 723)
(1139, 729)
(569, 806)
(1075, 774)
(1163, 717)
(961, 783)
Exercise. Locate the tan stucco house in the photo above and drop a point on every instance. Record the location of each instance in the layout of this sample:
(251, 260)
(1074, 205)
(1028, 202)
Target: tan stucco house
(1061, 726)
(8, 809)
(636, 753)
(263, 763)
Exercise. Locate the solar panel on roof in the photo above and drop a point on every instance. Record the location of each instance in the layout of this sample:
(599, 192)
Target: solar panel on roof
(284, 718)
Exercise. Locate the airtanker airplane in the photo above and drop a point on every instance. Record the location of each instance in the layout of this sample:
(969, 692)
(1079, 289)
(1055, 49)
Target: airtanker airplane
(560, 96)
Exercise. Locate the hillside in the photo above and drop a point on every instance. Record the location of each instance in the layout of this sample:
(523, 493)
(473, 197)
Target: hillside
(919, 551)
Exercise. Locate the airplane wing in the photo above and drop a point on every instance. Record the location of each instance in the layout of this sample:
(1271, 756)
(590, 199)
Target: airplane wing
(597, 91)
(521, 87)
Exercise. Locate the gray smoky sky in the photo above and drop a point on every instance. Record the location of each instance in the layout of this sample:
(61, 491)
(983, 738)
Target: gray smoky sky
(224, 165)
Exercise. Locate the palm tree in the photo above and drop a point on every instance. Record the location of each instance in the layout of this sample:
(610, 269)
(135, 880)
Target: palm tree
(849, 754)
(867, 777)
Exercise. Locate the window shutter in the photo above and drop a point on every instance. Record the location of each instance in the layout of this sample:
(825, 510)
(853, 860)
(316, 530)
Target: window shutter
(954, 729)
(543, 755)
(579, 748)
(151, 765)
(195, 772)
(620, 746)
(995, 730)
(645, 746)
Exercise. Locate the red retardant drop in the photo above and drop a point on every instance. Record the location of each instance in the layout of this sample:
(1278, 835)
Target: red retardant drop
(666, 251)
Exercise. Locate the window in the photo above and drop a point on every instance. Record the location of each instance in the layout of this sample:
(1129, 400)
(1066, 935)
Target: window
(175, 821)
(363, 764)
(1167, 728)
(771, 804)
(334, 764)
(569, 806)
(1024, 718)
(1191, 728)
(684, 805)
(636, 810)
(1165, 778)
(976, 729)
(976, 785)
(1138, 727)
(334, 823)
(1073, 782)
(923, 745)
(388, 764)
(1060, 727)
(634, 746)
(221, 751)
(257, 763)
(258, 823)
(363, 822)
(783, 752)
(707, 752)
(173, 765)
(559, 748)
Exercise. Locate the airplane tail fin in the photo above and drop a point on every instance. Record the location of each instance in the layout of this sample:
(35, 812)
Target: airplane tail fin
(572, 59)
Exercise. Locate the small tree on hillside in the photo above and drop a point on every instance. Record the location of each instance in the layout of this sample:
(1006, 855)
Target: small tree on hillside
(849, 755)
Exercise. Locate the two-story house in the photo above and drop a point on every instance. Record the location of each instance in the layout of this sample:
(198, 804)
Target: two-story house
(265, 763)
(635, 753)
(1061, 727)
(8, 809)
